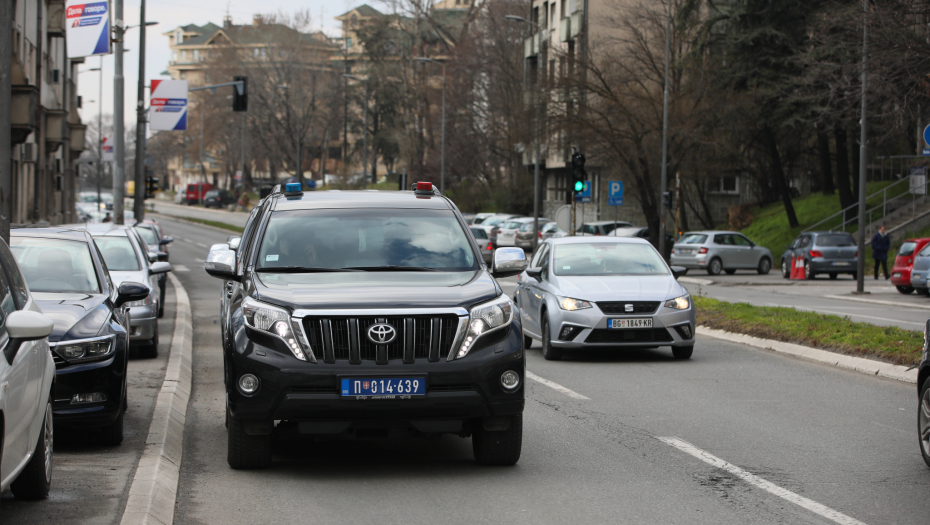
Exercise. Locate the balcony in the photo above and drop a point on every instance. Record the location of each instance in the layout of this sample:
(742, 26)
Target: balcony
(577, 22)
(56, 129)
(56, 18)
(531, 46)
(565, 29)
(24, 111)
(78, 136)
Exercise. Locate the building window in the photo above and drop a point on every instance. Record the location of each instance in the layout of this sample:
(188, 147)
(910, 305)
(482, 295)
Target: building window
(726, 185)
(196, 55)
(349, 42)
(174, 56)
(178, 38)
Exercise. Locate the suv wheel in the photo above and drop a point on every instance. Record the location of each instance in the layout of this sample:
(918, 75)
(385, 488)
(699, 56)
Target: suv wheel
(150, 351)
(808, 271)
(715, 267)
(245, 451)
(35, 480)
(785, 269)
(498, 447)
(549, 352)
(906, 290)
(923, 421)
(765, 266)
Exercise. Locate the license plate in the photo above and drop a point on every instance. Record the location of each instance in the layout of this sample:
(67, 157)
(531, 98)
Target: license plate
(618, 324)
(896, 275)
(384, 388)
(840, 263)
(685, 250)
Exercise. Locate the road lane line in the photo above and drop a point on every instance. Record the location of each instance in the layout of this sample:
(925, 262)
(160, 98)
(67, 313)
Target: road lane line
(187, 240)
(556, 386)
(763, 484)
(179, 268)
(202, 245)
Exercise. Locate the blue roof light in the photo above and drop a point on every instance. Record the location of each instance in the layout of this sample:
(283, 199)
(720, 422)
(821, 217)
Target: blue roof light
(292, 187)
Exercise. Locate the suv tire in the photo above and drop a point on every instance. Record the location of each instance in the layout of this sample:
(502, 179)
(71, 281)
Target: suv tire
(498, 447)
(785, 269)
(715, 266)
(245, 451)
(549, 352)
(35, 480)
(765, 266)
(906, 290)
(150, 350)
(923, 421)
(113, 435)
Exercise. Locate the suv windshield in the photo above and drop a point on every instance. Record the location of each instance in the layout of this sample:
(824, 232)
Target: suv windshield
(607, 259)
(365, 239)
(118, 254)
(55, 265)
(839, 240)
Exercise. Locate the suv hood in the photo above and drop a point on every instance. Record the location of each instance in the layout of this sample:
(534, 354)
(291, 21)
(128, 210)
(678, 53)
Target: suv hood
(76, 316)
(387, 290)
(620, 288)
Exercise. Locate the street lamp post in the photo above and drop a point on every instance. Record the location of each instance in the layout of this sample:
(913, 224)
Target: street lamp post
(442, 155)
(538, 117)
(299, 171)
(364, 131)
(139, 203)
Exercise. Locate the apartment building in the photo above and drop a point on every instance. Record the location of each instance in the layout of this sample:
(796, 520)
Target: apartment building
(47, 131)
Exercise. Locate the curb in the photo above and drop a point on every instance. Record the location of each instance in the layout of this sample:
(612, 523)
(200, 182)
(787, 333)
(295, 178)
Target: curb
(847, 362)
(154, 489)
(878, 301)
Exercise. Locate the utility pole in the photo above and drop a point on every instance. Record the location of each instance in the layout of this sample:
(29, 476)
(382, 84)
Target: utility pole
(860, 259)
(139, 204)
(662, 210)
(100, 133)
(119, 133)
(6, 95)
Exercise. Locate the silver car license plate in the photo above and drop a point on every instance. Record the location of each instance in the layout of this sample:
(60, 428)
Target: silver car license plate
(620, 324)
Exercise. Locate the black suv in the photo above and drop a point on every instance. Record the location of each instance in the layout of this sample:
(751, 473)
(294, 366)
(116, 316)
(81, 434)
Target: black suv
(368, 314)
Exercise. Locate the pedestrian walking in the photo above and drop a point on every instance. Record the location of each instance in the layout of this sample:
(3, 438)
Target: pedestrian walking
(881, 243)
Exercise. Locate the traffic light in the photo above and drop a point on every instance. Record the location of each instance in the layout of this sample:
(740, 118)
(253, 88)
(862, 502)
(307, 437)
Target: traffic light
(151, 186)
(667, 199)
(578, 173)
(241, 102)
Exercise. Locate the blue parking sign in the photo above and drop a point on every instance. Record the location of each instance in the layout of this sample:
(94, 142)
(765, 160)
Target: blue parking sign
(615, 193)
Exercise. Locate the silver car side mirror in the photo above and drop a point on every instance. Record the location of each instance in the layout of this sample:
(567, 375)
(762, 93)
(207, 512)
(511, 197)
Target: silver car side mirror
(508, 262)
(221, 264)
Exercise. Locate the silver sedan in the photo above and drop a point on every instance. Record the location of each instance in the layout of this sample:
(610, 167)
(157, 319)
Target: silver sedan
(589, 292)
(720, 251)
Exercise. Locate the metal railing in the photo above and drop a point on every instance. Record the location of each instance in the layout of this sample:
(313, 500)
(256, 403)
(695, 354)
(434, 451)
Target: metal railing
(887, 205)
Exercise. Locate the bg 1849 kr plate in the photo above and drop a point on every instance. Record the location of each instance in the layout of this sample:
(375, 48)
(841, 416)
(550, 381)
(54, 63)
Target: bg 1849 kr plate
(384, 387)
(620, 324)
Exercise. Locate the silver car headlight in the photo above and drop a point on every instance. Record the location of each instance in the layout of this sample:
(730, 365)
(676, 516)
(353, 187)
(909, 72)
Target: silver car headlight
(485, 318)
(276, 322)
(679, 303)
(144, 302)
(83, 350)
(567, 303)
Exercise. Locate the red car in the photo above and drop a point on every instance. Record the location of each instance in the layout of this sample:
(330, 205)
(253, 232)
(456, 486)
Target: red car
(901, 271)
(195, 192)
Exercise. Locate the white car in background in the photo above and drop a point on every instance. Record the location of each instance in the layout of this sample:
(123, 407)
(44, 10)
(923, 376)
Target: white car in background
(27, 374)
(507, 233)
(491, 225)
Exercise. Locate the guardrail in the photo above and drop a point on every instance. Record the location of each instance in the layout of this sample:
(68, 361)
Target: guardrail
(888, 205)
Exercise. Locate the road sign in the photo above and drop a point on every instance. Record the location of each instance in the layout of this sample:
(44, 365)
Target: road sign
(918, 176)
(169, 105)
(88, 28)
(584, 196)
(107, 149)
(926, 152)
(563, 217)
(927, 135)
(615, 193)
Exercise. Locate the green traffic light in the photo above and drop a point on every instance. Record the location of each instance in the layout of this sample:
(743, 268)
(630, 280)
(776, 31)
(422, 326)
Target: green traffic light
(579, 186)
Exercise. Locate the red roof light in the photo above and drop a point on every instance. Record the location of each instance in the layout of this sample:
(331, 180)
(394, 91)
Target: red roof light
(424, 186)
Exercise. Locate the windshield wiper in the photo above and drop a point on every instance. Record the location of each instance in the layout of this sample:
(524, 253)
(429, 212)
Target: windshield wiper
(301, 269)
(390, 268)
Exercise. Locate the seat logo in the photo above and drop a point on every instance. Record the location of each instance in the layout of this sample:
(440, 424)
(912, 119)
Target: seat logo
(628, 307)
(381, 334)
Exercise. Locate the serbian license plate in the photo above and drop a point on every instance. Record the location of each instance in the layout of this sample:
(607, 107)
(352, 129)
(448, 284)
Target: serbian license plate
(384, 388)
(685, 250)
(619, 324)
(896, 275)
(840, 263)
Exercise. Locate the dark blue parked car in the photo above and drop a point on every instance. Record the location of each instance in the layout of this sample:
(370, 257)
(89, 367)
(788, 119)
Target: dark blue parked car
(830, 253)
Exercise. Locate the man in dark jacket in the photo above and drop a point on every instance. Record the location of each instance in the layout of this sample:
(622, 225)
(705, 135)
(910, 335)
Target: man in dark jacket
(881, 243)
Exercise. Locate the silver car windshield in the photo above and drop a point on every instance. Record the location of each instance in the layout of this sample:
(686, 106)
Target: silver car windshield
(607, 259)
(363, 239)
(55, 265)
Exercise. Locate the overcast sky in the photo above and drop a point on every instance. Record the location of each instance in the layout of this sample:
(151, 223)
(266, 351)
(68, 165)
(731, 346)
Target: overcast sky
(173, 13)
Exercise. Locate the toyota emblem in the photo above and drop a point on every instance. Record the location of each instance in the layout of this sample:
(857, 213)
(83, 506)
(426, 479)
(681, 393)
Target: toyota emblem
(381, 334)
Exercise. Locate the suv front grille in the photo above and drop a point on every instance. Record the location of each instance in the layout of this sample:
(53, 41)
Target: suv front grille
(619, 307)
(345, 338)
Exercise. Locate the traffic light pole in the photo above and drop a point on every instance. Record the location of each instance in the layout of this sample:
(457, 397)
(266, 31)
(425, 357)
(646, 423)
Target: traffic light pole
(662, 210)
(138, 207)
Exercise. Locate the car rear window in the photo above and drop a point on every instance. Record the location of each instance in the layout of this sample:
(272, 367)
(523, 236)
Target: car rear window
(835, 239)
(693, 238)
(512, 225)
(118, 254)
(907, 248)
(479, 233)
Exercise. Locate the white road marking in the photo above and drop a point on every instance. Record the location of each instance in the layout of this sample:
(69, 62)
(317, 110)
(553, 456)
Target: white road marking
(187, 240)
(202, 245)
(877, 301)
(179, 268)
(556, 386)
(763, 484)
(198, 259)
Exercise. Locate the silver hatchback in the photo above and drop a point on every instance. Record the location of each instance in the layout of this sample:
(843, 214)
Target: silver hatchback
(720, 251)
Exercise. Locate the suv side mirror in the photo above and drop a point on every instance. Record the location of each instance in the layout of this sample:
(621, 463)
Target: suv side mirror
(508, 262)
(166, 240)
(22, 326)
(678, 271)
(159, 267)
(153, 257)
(221, 264)
(130, 291)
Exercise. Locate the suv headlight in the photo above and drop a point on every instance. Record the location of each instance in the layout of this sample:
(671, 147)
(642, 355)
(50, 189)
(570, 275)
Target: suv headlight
(567, 303)
(679, 303)
(83, 350)
(485, 318)
(275, 322)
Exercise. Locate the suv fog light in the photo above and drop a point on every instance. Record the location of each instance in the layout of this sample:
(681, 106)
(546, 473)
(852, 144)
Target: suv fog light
(248, 384)
(510, 380)
(96, 397)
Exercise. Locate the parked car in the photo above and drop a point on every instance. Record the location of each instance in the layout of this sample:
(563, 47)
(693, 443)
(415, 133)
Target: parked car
(507, 234)
(641, 232)
(127, 259)
(904, 261)
(493, 223)
(68, 277)
(480, 217)
(831, 253)
(600, 227)
(920, 271)
(180, 197)
(196, 192)
(484, 244)
(218, 199)
(552, 230)
(585, 292)
(720, 251)
(157, 242)
(27, 374)
(923, 398)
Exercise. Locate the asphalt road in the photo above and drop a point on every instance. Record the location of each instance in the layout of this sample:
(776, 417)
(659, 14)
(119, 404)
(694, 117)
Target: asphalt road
(90, 482)
(834, 443)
